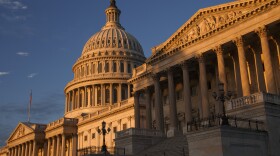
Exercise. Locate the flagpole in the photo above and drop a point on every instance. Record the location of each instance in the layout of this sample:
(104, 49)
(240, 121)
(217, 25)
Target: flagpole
(29, 105)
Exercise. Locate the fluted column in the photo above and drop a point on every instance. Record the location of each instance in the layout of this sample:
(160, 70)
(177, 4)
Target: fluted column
(203, 87)
(93, 95)
(78, 103)
(24, 149)
(74, 145)
(45, 152)
(243, 66)
(128, 91)
(85, 97)
(187, 93)
(137, 109)
(172, 103)
(57, 145)
(120, 93)
(73, 99)
(260, 73)
(54, 146)
(111, 94)
(35, 148)
(49, 147)
(30, 148)
(269, 75)
(16, 151)
(221, 66)
(148, 108)
(62, 145)
(102, 95)
(158, 104)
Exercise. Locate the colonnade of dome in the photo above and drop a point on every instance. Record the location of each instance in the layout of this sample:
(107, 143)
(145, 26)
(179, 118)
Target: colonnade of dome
(102, 71)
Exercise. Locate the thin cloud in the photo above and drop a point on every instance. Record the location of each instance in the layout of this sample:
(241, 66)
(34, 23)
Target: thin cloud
(13, 5)
(32, 75)
(22, 53)
(13, 17)
(4, 73)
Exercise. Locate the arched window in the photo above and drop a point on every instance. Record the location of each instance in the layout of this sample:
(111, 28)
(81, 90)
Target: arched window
(128, 67)
(92, 68)
(87, 70)
(115, 66)
(100, 67)
(122, 67)
(106, 67)
(115, 95)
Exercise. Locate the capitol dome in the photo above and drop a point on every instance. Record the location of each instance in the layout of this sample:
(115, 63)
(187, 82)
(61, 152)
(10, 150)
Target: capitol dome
(102, 71)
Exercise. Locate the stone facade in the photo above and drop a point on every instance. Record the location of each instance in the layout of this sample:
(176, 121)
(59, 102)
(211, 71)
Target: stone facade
(236, 43)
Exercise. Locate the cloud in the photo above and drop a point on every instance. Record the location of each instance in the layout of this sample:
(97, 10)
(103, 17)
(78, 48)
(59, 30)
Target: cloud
(4, 73)
(32, 75)
(13, 5)
(22, 53)
(13, 17)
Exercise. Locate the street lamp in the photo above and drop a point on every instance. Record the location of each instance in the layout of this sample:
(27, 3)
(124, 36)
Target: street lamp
(103, 132)
(222, 97)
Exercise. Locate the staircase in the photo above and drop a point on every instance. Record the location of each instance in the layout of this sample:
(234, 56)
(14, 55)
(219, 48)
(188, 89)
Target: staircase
(175, 146)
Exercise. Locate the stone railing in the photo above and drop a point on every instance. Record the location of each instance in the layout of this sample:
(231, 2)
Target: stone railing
(252, 99)
(109, 108)
(140, 132)
(139, 70)
(62, 121)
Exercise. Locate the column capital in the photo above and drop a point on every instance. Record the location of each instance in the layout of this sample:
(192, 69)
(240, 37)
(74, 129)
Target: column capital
(200, 58)
(155, 77)
(262, 31)
(184, 65)
(238, 41)
(218, 50)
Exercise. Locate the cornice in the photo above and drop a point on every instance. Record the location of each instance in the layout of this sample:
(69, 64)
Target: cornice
(176, 43)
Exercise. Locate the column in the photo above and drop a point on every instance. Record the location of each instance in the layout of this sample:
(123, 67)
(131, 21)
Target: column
(54, 146)
(187, 93)
(111, 94)
(73, 99)
(203, 87)
(74, 144)
(62, 145)
(57, 145)
(158, 104)
(49, 147)
(172, 104)
(93, 95)
(120, 93)
(237, 77)
(148, 108)
(137, 109)
(128, 91)
(260, 73)
(85, 97)
(221, 66)
(243, 67)
(30, 148)
(103, 94)
(66, 103)
(79, 96)
(16, 151)
(35, 148)
(269, 75)
(45, 148)
(125, 66)
(24, 149)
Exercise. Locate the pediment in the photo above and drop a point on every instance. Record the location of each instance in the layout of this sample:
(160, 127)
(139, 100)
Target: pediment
(212, 19)
(21, 130)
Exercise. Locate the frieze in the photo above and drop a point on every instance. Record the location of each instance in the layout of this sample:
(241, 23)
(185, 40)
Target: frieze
(202, 25)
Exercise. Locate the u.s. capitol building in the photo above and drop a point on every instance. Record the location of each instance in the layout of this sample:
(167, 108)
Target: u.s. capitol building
(164, 104)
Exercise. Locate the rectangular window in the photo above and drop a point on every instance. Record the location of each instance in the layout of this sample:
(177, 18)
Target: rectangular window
(93, 135)
(114, 129)
(124, 126)
(85, 138)
(209, 85)
(128, 68)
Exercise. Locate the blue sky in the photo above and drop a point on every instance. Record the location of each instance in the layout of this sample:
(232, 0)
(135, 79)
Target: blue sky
(40, 40)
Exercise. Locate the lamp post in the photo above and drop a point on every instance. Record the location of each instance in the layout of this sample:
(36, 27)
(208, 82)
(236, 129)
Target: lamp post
(103, 132)
(222, 97)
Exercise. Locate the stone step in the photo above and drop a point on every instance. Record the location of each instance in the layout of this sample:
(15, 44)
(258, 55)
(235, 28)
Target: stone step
(169, 147)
